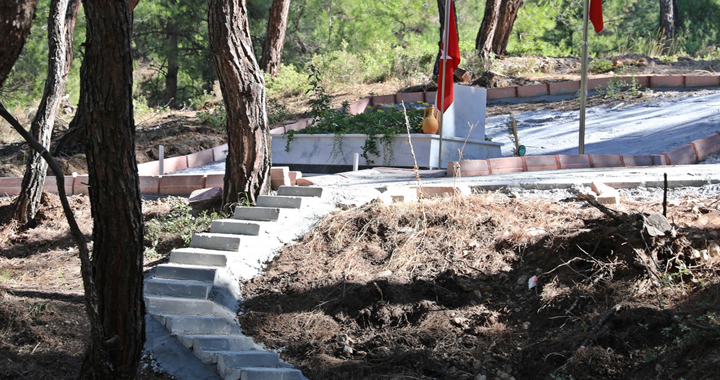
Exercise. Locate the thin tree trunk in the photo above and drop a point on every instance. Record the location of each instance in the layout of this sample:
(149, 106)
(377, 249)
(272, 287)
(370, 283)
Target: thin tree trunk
(668, 19)
(15, 21)
(441, 12)
(113, 282)
(247, 170)
(171, 78)
(61, 26)
(508, 14)
(275, 37)
(486, 33)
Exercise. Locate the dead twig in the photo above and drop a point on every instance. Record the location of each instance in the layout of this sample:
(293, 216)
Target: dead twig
(616, 216)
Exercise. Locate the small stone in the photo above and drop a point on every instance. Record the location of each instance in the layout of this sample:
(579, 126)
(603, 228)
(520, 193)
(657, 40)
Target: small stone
(480, 377)
(384, 273)
(526, 326)
(658, 367)
(348, 350)
(477, 364)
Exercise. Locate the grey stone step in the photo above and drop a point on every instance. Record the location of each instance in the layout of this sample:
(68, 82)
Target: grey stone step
(233, 364)
(196, 324)
(177, 288)
(279, 201)
(181, 306)
(259, 373)
(209, 349)
(185, 272)
(233, 226)
(300, 191)
(188, 339)
(198, 256)
(216, 241)
(257, 213)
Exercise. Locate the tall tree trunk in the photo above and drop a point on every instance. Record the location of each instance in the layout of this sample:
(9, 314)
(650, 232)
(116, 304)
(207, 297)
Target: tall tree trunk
(508, 14)
(483, 41)
(668, 19)
(61, 29)
(15, 21)
(247, 170)
(113, 282)
(497, 24)
(275, 37)
(171, 78)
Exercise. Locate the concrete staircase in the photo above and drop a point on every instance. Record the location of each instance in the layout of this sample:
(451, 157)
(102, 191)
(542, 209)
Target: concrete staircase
(196, 296)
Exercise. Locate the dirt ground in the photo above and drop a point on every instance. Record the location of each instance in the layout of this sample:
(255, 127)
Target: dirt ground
(43, 325)
(436, 290)
(440, 290)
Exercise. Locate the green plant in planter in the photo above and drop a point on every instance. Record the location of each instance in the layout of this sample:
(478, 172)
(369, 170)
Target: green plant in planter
(379, 125)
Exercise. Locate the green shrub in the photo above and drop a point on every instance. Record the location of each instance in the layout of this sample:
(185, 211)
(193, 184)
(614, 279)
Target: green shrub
(600, 65)
(288, 82)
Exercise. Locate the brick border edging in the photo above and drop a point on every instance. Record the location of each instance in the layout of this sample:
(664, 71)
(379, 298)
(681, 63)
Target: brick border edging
(689, 153)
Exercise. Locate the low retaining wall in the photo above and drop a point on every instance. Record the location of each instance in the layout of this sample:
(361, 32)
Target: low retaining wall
(689, 153)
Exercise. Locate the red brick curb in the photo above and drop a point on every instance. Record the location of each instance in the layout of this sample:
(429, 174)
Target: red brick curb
(689, 153)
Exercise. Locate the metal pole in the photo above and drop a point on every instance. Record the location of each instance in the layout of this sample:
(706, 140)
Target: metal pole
(583, 78)
(445, 56)
(161, 160)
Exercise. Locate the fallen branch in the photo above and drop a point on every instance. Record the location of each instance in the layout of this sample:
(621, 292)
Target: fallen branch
(609, 212)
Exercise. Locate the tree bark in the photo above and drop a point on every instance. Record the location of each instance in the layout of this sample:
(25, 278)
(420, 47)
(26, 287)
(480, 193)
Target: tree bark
(171, 78)
(247, 169)
(508, 14)
(61, 27)
(668, 18)
(483, 42)
(113, 282)
(497, 24)
(15, 21)
(275, 37)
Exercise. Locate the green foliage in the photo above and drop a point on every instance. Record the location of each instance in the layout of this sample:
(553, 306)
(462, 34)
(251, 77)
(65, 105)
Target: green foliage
(619, 88)
(288, 82)
(600, 66)
(176, 227)
(158, 25)
(215, 118)
(380, 125)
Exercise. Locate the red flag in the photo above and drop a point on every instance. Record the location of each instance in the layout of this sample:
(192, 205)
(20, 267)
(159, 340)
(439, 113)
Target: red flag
(452, 55)
(596, 15)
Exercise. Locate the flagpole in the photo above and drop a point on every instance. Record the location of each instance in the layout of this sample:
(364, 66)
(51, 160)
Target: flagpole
(444, 56)
(583, 78)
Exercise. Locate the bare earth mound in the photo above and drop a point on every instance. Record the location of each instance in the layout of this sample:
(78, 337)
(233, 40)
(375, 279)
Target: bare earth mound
(439, 290)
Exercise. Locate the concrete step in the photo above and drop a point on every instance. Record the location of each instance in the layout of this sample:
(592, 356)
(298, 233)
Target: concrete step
(198, 256)
(198, 325)
(259, 373)
(279, 201)
(257, 213)
(232, 364)
(233, 226)
(188, 340)
(185, 272)
(300, 191)
(215, 241)
(208, 350)
(181, 306)
(177, 288)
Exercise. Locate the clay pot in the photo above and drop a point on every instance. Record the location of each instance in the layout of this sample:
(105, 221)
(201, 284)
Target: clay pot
(430, 123)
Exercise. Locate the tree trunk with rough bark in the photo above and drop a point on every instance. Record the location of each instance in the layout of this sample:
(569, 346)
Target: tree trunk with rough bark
(15, 21)
(173, 65)
(508, 14)
(275, 37)
(113, 282)
(61, 27)
(483, 41)
(496, 26)
(668, 19)
(247, 169)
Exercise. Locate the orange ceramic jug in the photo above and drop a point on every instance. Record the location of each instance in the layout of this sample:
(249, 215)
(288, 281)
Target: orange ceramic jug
(430, 122)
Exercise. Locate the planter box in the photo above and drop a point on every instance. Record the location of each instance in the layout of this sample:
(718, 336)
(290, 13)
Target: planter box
(322, 150)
